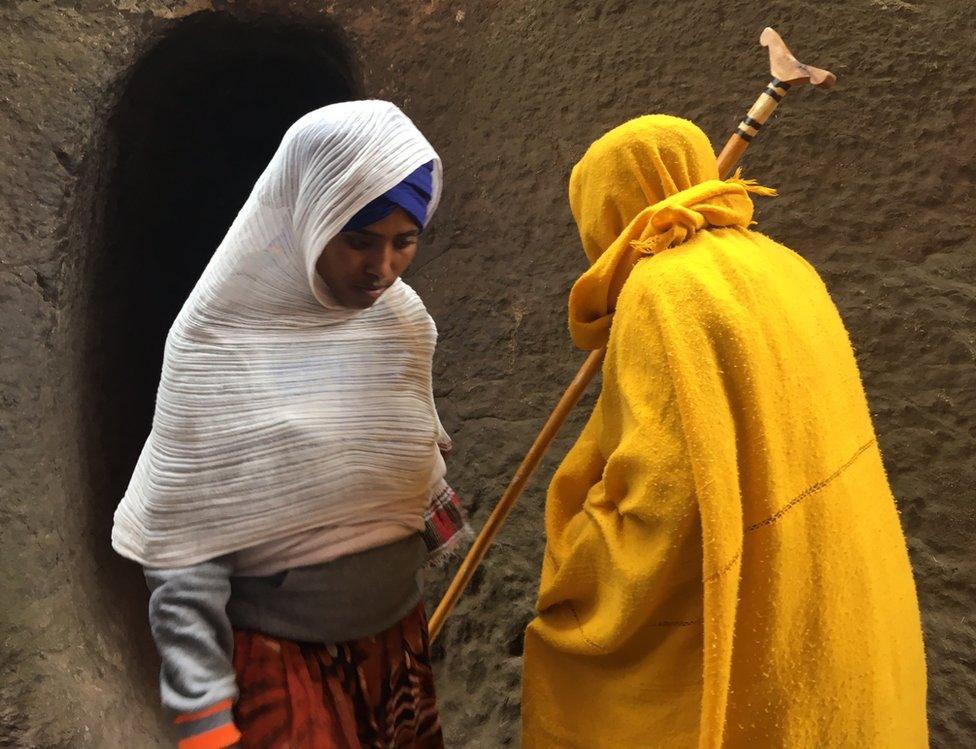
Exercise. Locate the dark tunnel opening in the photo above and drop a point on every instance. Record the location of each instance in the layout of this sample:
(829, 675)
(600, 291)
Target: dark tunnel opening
(196, 120)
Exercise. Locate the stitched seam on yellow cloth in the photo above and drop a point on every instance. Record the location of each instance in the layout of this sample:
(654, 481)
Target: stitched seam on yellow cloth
(808, 492)
(666, 623)
(579, 626)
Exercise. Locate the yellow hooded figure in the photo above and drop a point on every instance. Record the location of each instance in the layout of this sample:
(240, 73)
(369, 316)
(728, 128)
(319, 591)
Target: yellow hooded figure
(725, 565)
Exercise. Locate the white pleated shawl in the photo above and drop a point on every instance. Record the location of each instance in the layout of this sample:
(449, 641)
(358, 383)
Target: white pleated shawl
(279, 410)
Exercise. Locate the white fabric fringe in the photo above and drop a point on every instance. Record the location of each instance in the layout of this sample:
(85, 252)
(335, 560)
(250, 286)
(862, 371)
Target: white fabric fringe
(278, 409)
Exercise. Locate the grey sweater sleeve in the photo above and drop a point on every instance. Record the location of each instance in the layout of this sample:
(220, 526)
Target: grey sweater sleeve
(188, 618)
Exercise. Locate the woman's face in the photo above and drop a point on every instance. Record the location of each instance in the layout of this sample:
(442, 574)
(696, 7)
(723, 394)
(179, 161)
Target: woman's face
(358, 266)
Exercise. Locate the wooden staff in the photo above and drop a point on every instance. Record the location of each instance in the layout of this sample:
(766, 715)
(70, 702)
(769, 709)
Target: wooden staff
(787, 72)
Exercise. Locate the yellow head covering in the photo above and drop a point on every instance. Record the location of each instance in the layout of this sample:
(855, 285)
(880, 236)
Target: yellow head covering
(645, 186)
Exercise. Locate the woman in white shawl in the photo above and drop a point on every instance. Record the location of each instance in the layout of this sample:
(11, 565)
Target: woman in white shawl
(279, 504)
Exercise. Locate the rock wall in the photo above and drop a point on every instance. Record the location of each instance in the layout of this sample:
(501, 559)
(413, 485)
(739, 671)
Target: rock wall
(877, 191)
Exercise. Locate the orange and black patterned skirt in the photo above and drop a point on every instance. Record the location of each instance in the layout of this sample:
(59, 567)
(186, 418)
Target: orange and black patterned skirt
(375, 692)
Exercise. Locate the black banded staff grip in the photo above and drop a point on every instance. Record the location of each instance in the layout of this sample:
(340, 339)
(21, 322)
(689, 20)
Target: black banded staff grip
(767, 102)
(748, 128)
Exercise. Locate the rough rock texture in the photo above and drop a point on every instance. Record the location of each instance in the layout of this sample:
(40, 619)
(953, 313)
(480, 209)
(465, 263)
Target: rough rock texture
(877, 183)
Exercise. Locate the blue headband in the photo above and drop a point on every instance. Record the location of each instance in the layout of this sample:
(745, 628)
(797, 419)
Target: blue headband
(412, 195)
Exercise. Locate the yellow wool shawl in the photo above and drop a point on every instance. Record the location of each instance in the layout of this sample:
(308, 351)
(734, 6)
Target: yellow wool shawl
(725, 565)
